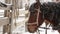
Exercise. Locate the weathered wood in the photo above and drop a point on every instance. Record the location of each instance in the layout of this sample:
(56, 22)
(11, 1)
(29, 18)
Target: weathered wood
(7, 13)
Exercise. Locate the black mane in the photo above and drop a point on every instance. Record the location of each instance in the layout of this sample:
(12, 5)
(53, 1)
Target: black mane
(51, 11)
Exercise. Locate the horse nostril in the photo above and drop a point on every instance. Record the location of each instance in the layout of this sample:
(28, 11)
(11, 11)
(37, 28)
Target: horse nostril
(32, 28)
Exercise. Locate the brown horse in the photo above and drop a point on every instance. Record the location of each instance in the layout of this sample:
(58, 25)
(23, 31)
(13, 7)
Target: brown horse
(48, 13)
(34, 18)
